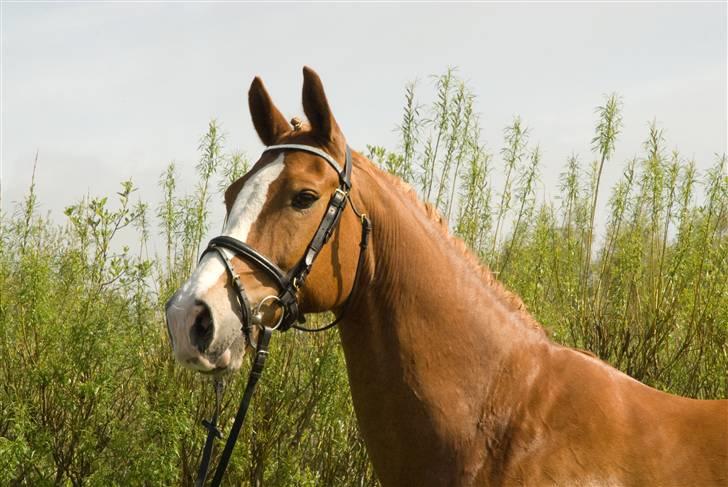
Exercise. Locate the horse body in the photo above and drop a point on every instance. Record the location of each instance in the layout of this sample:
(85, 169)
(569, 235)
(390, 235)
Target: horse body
(454, 384)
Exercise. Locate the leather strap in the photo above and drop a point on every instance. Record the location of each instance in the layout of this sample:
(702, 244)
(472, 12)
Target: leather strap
(240, 247)
(363, 244)
(344, 175)
(261, 354)
(245, 312)
(323, 233)
(212, 433)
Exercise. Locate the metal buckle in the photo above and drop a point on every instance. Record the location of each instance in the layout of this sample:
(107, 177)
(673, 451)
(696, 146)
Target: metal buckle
(258, 316)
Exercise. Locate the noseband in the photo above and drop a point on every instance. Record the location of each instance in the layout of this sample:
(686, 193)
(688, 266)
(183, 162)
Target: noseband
(288, 283)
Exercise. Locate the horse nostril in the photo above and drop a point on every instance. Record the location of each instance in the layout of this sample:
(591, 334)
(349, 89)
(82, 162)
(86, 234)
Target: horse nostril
(201, 332)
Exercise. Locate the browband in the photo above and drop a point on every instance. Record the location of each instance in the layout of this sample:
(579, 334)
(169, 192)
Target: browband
(344, 175)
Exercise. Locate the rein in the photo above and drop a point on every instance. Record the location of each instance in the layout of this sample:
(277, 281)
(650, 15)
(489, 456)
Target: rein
(289, 283)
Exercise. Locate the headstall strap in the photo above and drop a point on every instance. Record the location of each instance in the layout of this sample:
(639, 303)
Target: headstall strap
(289, 284)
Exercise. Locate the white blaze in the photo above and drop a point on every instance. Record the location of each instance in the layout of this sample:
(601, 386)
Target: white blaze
(244, 212)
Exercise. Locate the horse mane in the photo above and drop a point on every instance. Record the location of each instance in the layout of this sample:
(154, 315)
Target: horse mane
(512, 301)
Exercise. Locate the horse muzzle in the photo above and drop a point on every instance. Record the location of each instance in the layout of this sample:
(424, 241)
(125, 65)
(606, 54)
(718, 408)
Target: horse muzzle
(203, 337)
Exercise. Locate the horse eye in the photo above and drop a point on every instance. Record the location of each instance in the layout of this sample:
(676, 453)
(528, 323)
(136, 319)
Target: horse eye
(304, 200)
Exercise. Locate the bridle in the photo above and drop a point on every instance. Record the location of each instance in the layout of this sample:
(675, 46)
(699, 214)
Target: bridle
(288, 283)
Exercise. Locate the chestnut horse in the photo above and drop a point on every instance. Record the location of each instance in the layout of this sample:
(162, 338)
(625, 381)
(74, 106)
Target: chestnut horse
(453, 382)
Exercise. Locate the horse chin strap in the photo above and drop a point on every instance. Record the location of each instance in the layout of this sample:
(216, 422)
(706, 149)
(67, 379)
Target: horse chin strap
(289, 283)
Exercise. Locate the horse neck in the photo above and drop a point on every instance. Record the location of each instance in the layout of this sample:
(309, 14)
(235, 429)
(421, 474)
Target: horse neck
(429, 337)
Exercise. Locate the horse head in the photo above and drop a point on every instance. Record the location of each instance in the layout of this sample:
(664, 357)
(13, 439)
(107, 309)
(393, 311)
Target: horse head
(272, 234)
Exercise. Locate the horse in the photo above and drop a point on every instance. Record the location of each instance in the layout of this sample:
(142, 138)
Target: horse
(453, 382)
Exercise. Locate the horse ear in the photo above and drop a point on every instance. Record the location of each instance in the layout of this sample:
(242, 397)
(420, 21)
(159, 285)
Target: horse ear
(268, 121)
(317, 108)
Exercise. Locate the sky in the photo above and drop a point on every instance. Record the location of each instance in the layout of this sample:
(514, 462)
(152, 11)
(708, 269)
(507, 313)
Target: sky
(107, 92)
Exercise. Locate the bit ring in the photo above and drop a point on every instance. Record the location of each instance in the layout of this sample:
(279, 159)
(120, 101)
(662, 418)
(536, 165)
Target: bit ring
(258, 316)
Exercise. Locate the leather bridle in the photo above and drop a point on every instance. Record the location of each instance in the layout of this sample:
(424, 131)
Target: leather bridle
(288, 283)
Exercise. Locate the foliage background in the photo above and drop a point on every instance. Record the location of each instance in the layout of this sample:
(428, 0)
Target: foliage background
(91, 395)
